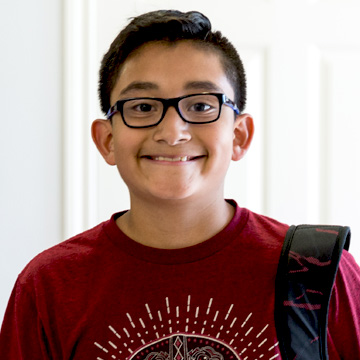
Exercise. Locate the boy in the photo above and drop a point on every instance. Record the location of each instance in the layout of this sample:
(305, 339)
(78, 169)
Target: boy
(184, 274)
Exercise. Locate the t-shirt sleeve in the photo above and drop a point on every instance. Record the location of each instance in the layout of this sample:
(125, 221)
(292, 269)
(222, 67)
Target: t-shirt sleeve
(22, 336)
(344, 312)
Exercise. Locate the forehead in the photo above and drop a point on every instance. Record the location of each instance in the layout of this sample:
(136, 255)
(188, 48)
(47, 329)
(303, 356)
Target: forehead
(170, 70)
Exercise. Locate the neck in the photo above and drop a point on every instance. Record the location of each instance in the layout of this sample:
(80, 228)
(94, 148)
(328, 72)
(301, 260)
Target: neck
(174, 226)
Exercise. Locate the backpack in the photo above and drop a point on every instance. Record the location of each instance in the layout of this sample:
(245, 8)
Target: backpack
(306, 273)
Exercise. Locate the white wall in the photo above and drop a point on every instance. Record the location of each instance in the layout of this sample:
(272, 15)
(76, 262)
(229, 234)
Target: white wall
(302, 63)
(302, 60)
(31, 132)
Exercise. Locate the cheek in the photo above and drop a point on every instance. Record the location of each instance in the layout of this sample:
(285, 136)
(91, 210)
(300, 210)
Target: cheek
(222, 143)
(125, 150)
(126, 141)
(220, 155)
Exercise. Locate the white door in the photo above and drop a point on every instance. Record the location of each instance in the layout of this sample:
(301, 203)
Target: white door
(302, 60)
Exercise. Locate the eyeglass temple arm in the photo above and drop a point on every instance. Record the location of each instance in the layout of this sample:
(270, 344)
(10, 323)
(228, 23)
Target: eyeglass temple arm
(231, 104)
(113, 110)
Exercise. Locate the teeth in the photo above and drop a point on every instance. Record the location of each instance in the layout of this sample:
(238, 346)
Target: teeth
(180, 158)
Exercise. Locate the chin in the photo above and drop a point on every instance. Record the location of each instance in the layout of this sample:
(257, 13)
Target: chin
(173, 194)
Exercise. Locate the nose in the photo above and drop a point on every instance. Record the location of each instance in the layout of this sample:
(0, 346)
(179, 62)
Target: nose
(172, 130)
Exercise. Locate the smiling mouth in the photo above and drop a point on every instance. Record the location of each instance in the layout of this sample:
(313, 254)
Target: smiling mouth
(173, 159)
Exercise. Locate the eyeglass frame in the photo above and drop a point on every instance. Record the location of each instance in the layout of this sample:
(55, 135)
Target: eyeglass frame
(119, 107)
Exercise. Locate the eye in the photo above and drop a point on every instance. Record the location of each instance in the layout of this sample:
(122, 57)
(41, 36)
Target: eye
(200, 107)
(143, 107)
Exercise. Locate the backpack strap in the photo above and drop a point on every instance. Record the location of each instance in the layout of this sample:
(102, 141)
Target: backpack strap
(306, 273)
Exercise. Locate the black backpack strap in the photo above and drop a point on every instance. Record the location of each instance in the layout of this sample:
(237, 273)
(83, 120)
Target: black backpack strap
(306, 273)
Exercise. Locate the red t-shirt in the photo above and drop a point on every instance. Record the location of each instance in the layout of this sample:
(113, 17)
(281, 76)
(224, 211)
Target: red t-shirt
(102, 296)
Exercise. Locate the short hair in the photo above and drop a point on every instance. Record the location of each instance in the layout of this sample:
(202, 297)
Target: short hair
(170, 26)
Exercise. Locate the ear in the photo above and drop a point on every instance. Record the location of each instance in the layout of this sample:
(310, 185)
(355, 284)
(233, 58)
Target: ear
(101, 132)
(243, 134)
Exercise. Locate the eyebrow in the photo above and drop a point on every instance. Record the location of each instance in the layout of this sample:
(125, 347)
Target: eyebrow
(191, 85)
(139, 85)
(202, 85)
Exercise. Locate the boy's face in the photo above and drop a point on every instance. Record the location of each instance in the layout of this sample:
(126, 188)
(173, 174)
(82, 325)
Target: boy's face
(174, 160)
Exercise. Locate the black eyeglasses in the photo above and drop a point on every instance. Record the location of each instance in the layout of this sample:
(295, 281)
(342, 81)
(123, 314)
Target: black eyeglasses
(146, 112)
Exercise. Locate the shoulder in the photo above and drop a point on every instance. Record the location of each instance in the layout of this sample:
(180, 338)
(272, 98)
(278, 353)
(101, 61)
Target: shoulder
(344, 311)
(65, 256)
(348, 276)
(266, 228)
(346, 290)
(260, 237)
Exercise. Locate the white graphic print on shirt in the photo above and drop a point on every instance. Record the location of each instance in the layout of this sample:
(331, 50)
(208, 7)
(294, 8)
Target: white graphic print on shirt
(218, 335)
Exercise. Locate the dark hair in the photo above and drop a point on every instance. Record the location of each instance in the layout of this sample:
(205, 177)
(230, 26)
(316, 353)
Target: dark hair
(170, 26)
